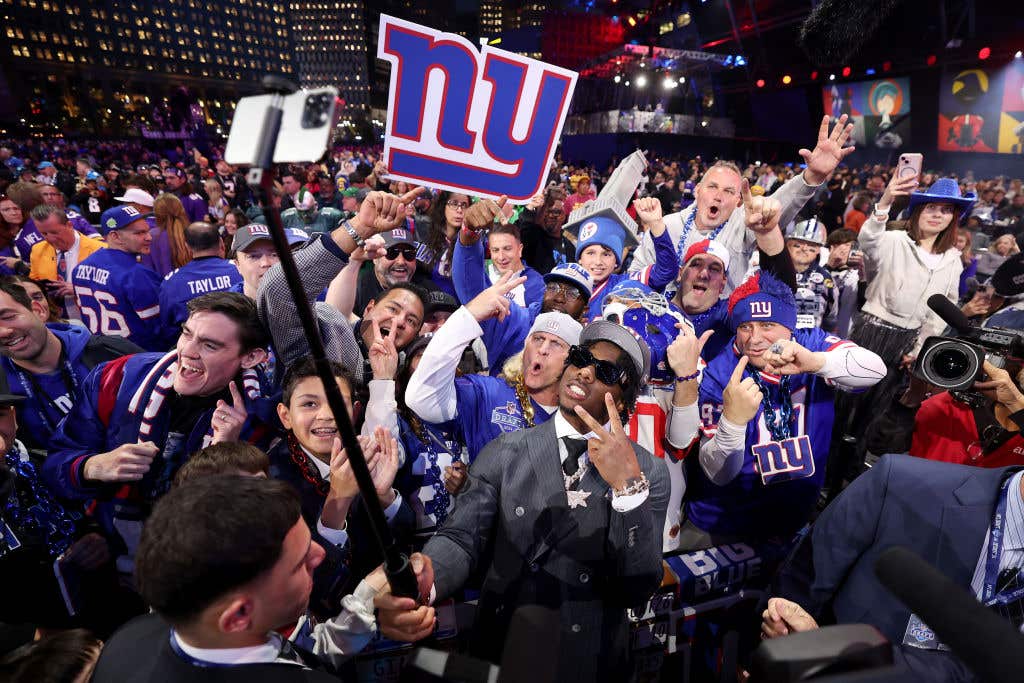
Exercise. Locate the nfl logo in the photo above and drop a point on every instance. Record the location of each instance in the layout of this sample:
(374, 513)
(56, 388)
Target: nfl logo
(587, 231)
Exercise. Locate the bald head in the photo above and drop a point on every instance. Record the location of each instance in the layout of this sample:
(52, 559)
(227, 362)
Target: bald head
(204, 239)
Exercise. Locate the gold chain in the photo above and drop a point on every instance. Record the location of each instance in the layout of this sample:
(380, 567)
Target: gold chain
(516, 381)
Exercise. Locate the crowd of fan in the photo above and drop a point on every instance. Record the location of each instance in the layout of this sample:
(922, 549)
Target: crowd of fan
(148, 344)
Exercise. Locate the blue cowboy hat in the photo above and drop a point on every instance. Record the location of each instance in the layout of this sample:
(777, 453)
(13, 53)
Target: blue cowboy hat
(943, 191)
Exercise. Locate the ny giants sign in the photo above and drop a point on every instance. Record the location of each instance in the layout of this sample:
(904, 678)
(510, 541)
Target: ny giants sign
(481, 122)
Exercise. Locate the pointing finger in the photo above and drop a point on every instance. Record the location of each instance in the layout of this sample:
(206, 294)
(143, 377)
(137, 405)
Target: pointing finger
(501, 201)
(411, 195)
(737, 373)
(704, 340)
(613, 413)
(745, 193)
(236, 395)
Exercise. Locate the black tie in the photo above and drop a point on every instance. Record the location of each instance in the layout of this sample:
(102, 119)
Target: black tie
(575, 448)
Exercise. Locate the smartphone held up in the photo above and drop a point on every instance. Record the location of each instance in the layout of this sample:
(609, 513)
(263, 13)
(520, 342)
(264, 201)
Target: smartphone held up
(308, 120)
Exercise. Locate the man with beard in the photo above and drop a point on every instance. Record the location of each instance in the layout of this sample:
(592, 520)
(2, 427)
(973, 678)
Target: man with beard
(135, 420)
(767, 427)
(396, 265)
(567, 515)
(487, 406)
(716, 213)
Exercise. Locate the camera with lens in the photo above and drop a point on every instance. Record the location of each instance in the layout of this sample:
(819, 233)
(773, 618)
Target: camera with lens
(317, 109)
(956, 363)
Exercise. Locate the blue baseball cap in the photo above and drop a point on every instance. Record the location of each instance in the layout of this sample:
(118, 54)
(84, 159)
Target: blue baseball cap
(119, 217)
(92, 175)
(574, 274)
(44, 164)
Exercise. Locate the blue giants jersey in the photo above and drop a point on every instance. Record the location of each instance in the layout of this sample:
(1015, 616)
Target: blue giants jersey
(120, 297)
(487, 407)
(197, 277)
(778, 485)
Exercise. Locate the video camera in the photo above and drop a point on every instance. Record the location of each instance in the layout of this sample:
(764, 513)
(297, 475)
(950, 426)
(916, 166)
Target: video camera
(956, 363)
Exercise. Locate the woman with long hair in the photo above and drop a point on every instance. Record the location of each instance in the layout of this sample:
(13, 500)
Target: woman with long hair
(11, 220)
(1002, 248)
(217, 204)
(905, 268)
(233, 220)
(25, 197)
(446, 214)
(967, 257)
(168, 250)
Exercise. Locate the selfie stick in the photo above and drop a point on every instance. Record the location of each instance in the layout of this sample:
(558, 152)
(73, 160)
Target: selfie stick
(396, 564)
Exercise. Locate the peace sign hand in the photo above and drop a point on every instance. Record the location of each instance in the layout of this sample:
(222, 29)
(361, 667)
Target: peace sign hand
(760, 213)
(611, 452)
(828, 152)
(684, 351)
(493, 302)
(228, 419)
(383, 354)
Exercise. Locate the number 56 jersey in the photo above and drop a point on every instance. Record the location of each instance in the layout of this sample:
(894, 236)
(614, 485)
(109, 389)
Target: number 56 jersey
(777, 487)
(119, 296)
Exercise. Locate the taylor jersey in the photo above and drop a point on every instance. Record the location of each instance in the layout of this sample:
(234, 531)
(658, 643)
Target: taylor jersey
(197, 277)
(778, 484)
(118, 296)
(488, 407)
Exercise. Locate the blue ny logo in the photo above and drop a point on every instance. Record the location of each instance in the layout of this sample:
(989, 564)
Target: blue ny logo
(785, 460)
(484, 123)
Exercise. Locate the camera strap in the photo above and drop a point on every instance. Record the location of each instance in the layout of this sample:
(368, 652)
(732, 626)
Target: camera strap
(991, 434)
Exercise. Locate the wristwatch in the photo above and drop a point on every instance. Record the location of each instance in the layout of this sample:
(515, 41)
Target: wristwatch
(356, 237)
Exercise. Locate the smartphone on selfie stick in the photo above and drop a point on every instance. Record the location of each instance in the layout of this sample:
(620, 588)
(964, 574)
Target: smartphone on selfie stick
(291, 125)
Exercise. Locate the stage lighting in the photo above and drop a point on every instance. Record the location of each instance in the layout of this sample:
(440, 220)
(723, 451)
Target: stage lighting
(682, 79)
(631, 21)
(831, 77)
(870, 72)
(617, 78)
(641, 81)
(931, 60)
(886, 66)
(760, 83)
(984, 53)
(627, 84)
(814, 75)
(668, 83)
(787, 79)
(1017, 54)
(847, 71)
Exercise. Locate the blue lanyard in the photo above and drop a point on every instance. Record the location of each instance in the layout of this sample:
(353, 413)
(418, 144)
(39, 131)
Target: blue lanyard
(995, 544)
(189, 659)
(687, 226)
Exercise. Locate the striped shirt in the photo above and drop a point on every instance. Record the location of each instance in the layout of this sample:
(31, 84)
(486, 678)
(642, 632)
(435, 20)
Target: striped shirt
(1013, 537)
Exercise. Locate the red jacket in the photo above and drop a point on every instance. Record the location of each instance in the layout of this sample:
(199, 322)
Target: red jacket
(944, 429)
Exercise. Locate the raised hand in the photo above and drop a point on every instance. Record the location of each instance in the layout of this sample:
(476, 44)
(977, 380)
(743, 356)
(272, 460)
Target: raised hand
(760, 213)
(684, 351)
(229, 418)
(648, 210)
(127, 462)
(536, 201)
(790, 358)
(372, 249)
(383, 354)
(493, 302)
(897, 187)
(611, 452)
(385, 466)
(382, 211)
(741, 399)
(484, 212)
(829, 151)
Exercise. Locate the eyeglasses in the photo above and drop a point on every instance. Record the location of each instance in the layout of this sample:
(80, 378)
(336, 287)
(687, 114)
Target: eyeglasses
(606, 372)
(408, 253)
(570, 292)
(458, 206)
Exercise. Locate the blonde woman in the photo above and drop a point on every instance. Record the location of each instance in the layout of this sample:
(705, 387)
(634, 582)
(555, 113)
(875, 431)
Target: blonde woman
(217, 205)
(168, 250)
(1001, 249)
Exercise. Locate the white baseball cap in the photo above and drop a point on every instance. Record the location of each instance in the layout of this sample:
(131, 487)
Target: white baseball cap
(134, 195)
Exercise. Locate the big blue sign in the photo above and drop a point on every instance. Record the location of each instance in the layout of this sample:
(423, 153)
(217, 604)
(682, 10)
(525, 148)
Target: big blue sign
(482, 122)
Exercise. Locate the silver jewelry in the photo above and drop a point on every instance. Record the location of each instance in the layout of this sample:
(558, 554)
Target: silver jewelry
(356, 237)
(776, 348)
(633, 487)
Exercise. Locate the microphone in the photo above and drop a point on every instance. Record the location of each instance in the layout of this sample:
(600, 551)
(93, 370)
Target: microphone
(836, 29)
(949, 313)
(988, 644)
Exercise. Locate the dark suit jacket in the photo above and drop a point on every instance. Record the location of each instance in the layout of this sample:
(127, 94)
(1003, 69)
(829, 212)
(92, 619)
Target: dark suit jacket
(938, 510)
(141, 651)
(588, 563)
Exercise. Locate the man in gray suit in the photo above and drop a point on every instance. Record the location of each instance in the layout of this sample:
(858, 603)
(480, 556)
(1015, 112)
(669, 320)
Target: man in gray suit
(582, 537)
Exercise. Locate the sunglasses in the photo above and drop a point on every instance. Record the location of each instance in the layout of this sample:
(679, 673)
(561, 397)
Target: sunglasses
(606, 371)
(407, 253)
(570, 292)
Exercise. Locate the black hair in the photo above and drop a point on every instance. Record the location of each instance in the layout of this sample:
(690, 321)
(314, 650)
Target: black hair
(305, 368)
(420, 293)
(209, 537)
(58, 658)
(10, 286)
(631, 382)
(228, 457)
(240, 309)
(202, 236)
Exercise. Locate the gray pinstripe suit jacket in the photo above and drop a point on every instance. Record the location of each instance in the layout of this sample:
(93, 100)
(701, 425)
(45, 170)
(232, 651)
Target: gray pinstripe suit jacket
(590, 564)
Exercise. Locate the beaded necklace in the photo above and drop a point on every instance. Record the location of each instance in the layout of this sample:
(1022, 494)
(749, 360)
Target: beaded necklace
(687, 227)
(306, 466)
(40, 514)
(779, 427)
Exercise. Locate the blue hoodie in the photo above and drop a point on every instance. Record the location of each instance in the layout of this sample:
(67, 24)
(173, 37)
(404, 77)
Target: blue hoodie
(50, 399)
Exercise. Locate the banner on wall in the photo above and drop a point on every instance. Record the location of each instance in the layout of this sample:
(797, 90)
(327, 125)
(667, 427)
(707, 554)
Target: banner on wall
(982, 110)
(879, 110)
(484, 122)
